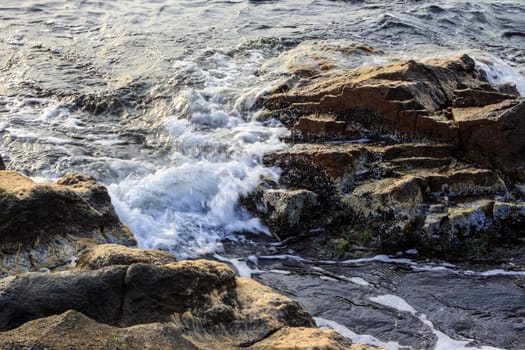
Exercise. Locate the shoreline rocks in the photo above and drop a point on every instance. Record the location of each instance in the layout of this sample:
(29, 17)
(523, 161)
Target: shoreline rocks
(196, 304)
(411, 155)
(114, 296)
(44, 225)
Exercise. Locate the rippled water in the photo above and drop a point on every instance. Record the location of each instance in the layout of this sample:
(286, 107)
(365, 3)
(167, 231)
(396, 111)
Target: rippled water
(157, 99)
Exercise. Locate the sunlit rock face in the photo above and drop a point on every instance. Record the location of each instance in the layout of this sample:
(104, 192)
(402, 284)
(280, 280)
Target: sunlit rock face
(413, 153)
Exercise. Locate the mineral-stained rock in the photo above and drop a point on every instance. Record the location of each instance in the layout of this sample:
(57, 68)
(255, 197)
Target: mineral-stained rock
(43, 225)
(441, 100)
(103, 255)
(436, 164)
(319, 168)
(288, 211)
(182, 305)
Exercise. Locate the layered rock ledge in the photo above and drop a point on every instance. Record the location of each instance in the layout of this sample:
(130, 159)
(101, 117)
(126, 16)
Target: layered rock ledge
(411, 154)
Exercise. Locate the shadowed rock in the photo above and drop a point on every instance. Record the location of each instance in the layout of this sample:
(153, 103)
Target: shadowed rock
(43, 225)
(182, 305)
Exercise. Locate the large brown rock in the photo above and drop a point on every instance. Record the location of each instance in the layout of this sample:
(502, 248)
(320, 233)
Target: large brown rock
(182, 305)
(44, 225)
(494, 136)
(441, 100)
(74, 330)
(410, 154)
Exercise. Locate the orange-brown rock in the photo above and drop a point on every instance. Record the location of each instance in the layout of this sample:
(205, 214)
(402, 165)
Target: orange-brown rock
(104, 255)
(406, 154)
(440, 100)
(197, 304)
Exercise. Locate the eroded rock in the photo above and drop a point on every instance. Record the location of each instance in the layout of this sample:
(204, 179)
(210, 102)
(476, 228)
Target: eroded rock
(437, 153)
(104, 255)
(182, 305)
(44, 225)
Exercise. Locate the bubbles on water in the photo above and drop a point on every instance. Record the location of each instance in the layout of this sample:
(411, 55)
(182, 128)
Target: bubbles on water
(500, 72)
(216, 151)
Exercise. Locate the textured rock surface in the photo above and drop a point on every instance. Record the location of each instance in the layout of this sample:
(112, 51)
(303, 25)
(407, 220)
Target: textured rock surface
(104, 255)
(73, 330)
(43, 225)
(441, 100)
(182, 305)
(403, 155)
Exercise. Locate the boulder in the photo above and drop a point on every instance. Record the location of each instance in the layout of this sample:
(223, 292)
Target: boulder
(104, 255)
(181, 305)
(287, 212)
(43, 225)
(97, 294)
(74, 330)
(324, 169)
(494, 136)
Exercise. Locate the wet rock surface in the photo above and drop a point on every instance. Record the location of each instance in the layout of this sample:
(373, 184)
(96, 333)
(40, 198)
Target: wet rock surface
(412, 154)
(462, 305)
(197, 304)
(44, 225)
(405, 301)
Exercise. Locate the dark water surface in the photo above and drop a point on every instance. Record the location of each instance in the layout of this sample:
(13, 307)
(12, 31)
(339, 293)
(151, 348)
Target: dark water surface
(156, 100)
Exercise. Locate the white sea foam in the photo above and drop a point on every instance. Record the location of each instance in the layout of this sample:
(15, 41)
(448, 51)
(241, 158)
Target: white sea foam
(192, 203)
(444, 342)
(360, 281)
(240, 265)
(358, 338)
(500, 72)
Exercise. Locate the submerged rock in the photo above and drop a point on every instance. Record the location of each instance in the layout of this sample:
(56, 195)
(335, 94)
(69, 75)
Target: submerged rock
(181, 305)
(391, 144)
(43, 225)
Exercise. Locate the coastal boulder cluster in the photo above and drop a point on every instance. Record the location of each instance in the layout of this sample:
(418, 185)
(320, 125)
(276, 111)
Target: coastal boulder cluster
(63, 285)
(424, 155)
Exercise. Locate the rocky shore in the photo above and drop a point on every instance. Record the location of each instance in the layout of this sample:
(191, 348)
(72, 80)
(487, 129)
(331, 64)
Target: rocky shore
(424, 155)
(64, 287)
